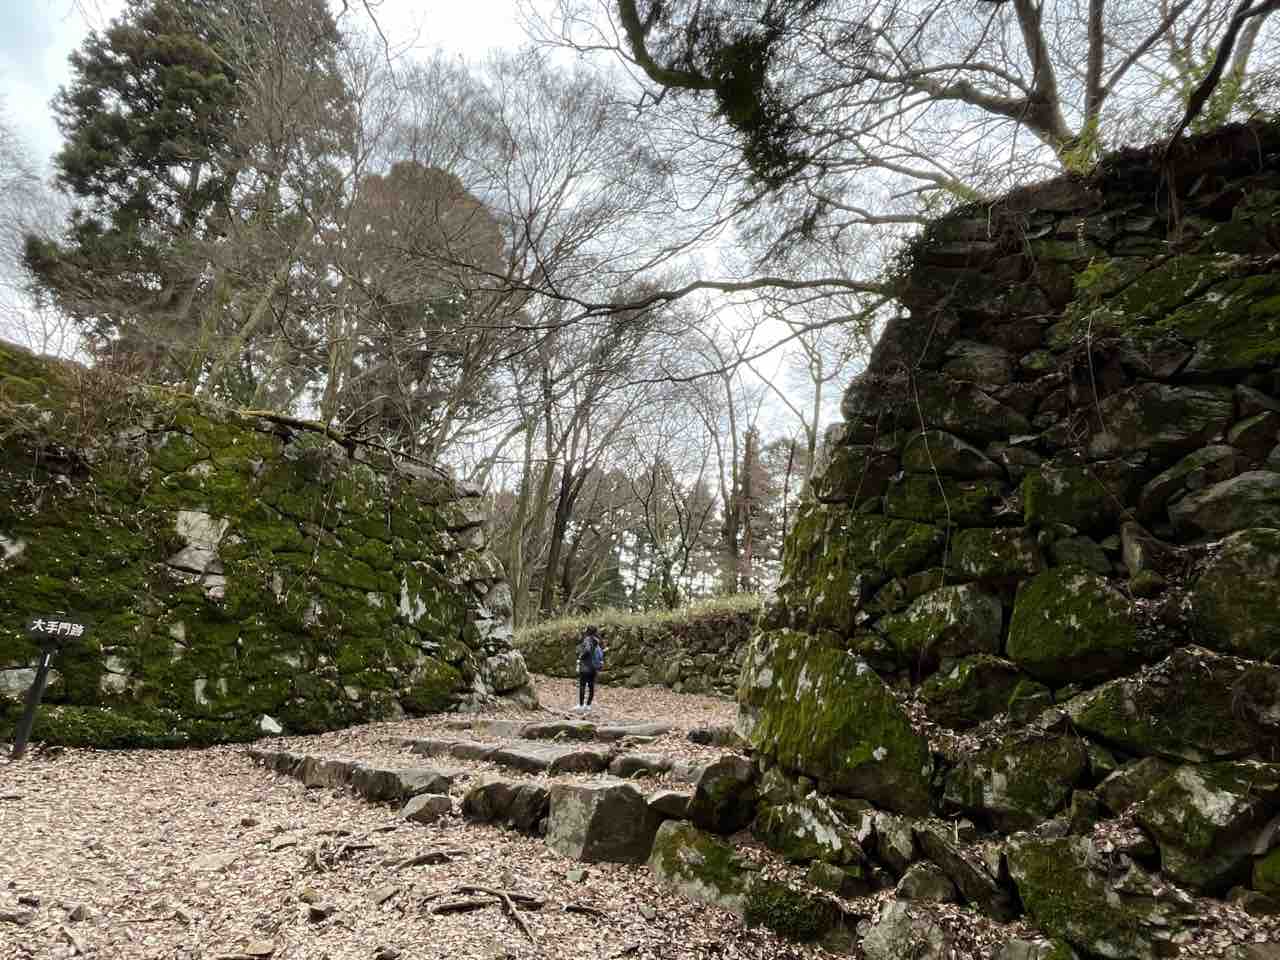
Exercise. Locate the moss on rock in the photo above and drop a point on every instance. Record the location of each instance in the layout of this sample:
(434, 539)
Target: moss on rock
(975, 689)
(227, 567)
(1069, 625)
(700, 867)
(1065, 897)
(961, 408)
(948, 622)
(1077, 496)
(854, 474)
(996, 553)
(808, 829)
(819, 710)
(1236, 601)
(834, 561)
(1206, 817)
(1266, 873)
(936, 450)
(1020, 781)
(793, 914)
(1164, 420)
(930, 499)
(1194, 706)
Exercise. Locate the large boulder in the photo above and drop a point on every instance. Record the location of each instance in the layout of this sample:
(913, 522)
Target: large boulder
(602, 821)
(932, 499)
(1206, 819)
(1132, 782)
(506, 672)
(671, 804)
(1211, 464)
(1249, 500)
(854, 474)
(926, 881)
(818, 710)
(808, 829)
(708, 870)
(1105, 905)
(1193, 706)
(987, 553)
(1163, 420)
(950, 456)
(1019, 782)
(1071, 626)
(699, 866)
(966, 870)
(947, 622)
(1085, 496)
(895, 842)
(984, 363)
(1254, 436)
(961, 408)
(1236, 601)
(529, 807)
(724, 798)
(906, 932)
(976, 689)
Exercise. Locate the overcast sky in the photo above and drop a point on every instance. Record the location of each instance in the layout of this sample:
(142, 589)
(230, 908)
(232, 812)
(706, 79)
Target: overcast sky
(36, 36)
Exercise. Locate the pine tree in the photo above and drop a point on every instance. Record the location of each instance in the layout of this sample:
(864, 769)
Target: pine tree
(170, 155)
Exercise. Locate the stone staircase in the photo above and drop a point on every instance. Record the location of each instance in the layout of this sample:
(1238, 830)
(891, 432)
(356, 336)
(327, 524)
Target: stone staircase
(592, 799)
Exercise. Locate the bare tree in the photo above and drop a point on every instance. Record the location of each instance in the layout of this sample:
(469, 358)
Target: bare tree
(27, 206)
(846, 114)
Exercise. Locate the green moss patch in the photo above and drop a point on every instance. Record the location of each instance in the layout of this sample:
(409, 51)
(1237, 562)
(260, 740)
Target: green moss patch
(820, 711)
(793, 914)
(1021, 781)
(1069, 625)
(1194, 706)
(327, 590)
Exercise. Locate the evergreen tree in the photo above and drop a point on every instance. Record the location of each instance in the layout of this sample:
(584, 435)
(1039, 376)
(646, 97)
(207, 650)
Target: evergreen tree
(182, 123)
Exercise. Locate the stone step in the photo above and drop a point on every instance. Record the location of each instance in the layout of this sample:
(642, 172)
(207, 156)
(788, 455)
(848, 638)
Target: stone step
(551, 758)
(566, 729)
(605, 819)
(533, 756)
(375, 784)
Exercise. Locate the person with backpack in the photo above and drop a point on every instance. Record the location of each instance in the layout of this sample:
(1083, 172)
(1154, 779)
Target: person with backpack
(590, 662)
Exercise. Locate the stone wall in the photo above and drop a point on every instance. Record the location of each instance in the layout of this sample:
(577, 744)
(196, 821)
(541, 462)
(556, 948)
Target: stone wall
(1040, 577)
(694, 651)
(238, 573)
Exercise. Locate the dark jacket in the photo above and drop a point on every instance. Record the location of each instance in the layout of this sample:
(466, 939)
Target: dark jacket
(590, 654)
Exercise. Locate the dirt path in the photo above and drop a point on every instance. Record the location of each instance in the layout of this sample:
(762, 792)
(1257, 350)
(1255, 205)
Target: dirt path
(197, 855)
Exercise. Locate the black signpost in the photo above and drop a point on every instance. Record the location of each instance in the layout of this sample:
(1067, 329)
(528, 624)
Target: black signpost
(52, 633)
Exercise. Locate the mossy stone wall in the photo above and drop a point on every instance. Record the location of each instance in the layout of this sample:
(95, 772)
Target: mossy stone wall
(1044, 539)
(231, 568)
(695, 651)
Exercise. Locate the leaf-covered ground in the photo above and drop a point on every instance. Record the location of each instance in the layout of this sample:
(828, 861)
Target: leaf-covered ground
(196, 855)
(203, 855)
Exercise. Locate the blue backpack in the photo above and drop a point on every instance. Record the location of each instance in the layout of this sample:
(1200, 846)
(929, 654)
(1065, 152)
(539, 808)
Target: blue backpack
(590, 656)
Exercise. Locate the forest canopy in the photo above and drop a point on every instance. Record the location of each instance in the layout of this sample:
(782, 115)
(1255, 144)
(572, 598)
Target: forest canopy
(618, 277)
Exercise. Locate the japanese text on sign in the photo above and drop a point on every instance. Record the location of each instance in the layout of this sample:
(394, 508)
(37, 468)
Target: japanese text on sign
(56, 628)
